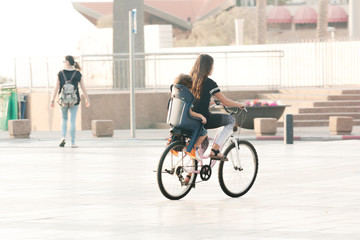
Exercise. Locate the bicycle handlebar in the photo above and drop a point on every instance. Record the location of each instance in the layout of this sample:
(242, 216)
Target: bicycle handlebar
(217, 102)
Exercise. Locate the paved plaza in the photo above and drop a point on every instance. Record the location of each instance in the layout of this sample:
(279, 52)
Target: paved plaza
(106, 189)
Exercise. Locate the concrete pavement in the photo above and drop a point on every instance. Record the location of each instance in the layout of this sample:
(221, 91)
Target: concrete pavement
(106, 189)
(300, 134)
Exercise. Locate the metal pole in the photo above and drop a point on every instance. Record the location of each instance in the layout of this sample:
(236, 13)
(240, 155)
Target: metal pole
(30, 71)
(47, 74)
(132, 31)
(15, 81)
(289, 129)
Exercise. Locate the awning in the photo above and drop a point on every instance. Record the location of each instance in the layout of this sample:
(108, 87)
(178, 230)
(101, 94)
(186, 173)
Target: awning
(279, 14)
(337, 14)
(305, 14)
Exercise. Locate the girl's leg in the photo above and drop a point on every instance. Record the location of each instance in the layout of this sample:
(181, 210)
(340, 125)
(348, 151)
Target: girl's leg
(199, 141)
(201, 138)
(73, 113)
(64, 114)
(223, 133)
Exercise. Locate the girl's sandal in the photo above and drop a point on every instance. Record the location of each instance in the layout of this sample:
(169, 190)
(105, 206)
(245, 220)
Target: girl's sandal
(216, 157)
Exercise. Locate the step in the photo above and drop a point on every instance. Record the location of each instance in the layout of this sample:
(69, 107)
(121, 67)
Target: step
(314, 123)
(307, 123)
(343, 97)
(336, 103)
(319, 91)
(301, 97)
(323, 116)
(297, 104)
(160, 125)
(329, 110)
(311, 91)
(351, 91)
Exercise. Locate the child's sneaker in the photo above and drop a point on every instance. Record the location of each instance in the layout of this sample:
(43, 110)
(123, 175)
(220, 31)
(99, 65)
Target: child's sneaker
(194, 154)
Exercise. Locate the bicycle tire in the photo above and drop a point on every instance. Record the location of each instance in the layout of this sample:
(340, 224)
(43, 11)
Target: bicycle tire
(229, 174)
(172, 168)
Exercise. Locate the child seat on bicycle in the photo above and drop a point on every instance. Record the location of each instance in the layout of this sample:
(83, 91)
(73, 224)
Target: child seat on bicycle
(179, 114)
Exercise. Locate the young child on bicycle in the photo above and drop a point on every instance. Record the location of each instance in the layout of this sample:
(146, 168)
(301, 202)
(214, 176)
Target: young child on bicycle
(187, 81)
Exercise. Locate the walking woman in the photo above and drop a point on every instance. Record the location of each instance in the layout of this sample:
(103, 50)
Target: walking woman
(203, 89)
(70, 73)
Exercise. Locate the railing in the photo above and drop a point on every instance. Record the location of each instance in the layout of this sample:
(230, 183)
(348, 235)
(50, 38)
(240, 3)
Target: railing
(232, 68)
(319, 64)
(313, 64)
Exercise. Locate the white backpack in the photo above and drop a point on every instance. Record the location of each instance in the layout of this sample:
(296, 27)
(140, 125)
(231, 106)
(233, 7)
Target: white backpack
(68, 97)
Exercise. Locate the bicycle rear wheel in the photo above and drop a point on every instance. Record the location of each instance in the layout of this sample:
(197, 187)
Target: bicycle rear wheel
(238, 174)
(173, 167)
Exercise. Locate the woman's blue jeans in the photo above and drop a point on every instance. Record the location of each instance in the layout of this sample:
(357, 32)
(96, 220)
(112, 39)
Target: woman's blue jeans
(73, 112)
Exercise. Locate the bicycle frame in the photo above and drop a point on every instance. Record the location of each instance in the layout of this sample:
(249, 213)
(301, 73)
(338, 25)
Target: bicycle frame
(231, 139)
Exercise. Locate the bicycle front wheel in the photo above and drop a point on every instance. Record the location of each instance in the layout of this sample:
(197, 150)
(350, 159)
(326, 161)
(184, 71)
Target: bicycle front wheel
(238, 174)
(174, 166)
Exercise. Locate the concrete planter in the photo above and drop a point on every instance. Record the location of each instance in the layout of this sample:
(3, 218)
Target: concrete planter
(247, 121)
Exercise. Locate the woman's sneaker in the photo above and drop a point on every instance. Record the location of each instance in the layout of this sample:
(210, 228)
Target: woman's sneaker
(62, 143)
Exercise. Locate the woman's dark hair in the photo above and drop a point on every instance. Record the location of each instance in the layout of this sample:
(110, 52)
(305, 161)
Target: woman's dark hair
(185, 80)
(72, 62)
(199, 72)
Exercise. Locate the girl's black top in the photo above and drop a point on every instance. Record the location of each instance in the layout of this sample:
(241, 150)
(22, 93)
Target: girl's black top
(201, 105)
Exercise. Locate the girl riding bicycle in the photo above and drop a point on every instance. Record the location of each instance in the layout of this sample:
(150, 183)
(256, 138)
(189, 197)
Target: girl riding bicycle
(177, 173)
(203, 89)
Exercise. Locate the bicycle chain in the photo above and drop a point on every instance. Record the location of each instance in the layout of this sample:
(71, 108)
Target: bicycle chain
(205, 172)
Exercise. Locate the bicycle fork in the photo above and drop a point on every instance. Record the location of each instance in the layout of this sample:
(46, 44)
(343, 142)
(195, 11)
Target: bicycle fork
(237, 165)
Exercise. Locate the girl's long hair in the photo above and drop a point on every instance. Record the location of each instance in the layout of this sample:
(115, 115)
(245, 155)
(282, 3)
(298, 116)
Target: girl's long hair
(72, 62)
(199, 72)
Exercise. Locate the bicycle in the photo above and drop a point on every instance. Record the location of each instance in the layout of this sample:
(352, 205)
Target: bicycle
(236, 176)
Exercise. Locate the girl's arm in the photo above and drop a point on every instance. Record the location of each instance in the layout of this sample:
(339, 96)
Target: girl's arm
(228, 102)
(198, 115)
(56, 90)
(87, 100)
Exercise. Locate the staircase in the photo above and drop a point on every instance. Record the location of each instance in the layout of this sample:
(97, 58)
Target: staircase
(312, 107)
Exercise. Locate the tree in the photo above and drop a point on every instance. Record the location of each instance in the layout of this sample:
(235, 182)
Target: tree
(322, 22)
(260, 35)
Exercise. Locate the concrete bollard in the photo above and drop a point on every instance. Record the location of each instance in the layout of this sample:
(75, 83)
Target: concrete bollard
(265, 126)
(19, 128)
(102, 128)
(340, 125)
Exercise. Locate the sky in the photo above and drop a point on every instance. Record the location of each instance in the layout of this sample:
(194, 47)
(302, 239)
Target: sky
(40, 27)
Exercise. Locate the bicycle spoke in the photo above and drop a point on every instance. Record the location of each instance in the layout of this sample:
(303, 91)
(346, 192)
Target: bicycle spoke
(173, 168)
(237, 176)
